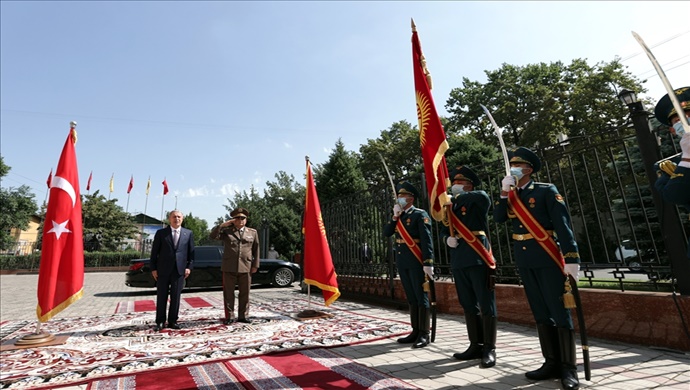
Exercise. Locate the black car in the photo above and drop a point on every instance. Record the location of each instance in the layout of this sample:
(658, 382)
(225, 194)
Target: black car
(206, 272)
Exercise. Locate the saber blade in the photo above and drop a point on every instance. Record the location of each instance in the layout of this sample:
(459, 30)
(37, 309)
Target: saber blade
(664, 80)
(499, 134)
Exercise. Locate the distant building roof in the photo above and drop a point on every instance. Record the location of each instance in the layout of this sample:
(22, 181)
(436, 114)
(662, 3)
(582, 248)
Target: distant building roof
(143, 219)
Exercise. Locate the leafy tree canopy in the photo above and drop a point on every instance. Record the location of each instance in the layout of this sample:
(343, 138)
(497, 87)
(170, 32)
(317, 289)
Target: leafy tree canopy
(17, 205)
(537, 102)
(400, 149)
(340, 175)
(199, 228)
(105, 221)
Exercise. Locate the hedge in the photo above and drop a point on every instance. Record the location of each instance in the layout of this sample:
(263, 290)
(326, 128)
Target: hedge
(91, 260)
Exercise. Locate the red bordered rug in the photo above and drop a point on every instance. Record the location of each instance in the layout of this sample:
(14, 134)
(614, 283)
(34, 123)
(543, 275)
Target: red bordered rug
(308, 369)
(105, 346)
(150, 304)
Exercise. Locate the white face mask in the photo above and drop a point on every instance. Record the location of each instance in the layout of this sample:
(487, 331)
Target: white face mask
(457, 189)
(402, 201)
(517, 172)
(678, 127)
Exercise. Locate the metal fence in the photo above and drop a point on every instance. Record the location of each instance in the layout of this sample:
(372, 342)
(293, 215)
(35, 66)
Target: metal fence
(602, 180)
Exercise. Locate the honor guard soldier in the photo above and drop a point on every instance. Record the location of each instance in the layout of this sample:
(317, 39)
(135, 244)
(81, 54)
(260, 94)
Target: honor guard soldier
(674, 174)
(472, 264)
(545, 252)
(414, 254)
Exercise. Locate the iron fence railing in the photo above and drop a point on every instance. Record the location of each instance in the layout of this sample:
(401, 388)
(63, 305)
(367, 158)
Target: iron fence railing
(603, 182)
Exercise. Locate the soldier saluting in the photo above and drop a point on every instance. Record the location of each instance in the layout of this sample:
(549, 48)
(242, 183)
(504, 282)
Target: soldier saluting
(545, 252)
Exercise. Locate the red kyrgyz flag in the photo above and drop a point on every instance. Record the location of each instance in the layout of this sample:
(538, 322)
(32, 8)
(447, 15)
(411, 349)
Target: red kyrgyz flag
(131, 184)
(431, 135)
(165, 187)
(88, 183)
(50, 177)
(61, 271)
(318, 263)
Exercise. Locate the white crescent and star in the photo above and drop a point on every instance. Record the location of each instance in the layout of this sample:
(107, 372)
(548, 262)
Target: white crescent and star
(62, 184)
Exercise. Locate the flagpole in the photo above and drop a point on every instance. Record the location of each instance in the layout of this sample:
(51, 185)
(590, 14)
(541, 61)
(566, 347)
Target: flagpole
(306, 158)
(163, 201)
(143, 222)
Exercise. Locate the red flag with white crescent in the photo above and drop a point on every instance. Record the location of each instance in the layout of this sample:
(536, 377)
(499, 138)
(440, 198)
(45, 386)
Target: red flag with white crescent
(61, 271)
(318, 263)
(131, 184)
(431, 135)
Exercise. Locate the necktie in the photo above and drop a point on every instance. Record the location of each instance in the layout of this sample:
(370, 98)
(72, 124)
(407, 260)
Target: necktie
(176, 237)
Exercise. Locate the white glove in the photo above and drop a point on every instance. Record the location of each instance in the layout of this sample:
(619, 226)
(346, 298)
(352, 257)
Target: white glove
(507, 182)
(429, 270)
(397, 210)
(573, 269)
(685, 144)
(452, 242)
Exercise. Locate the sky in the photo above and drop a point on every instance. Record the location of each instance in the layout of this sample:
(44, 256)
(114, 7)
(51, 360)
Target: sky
(217, 97)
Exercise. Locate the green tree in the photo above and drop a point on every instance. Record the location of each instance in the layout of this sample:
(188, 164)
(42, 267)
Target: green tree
(17, 205)
(106, 224)
(199, 228)
(537, 102)
(340, 175)
(400, 149)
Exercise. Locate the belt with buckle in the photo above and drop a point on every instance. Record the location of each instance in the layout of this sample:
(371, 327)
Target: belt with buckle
(476, 233)
(527, 236)
(401, 241)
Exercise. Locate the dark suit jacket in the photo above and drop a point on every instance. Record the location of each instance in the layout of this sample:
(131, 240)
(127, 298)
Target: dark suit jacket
(165, 258)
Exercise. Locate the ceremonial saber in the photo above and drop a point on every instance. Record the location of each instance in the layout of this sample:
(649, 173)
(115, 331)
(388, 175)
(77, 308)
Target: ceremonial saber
(664, 80)
(499, 134)
(390, 178)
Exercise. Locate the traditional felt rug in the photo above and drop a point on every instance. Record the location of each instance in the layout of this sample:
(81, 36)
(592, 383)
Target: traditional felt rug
(150, 304)
(126, 342)
(307, 369)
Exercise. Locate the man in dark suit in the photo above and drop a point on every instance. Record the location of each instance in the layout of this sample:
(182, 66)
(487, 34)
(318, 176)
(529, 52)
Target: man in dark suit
(240, 261)
(545, 252)
(414, 258)
(172, 258)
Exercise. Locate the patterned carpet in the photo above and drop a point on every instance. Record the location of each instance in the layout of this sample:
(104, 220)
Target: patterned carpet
(307, 369)
(126, 343)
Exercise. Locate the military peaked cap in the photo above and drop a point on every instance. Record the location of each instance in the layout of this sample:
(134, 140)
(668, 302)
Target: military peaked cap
(239, 212)
(524, 155)
(664, 110)
(405, 187)
(464, 173)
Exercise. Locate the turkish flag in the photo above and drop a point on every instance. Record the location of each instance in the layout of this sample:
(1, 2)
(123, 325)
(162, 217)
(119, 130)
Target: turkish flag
(88, 183)
(431, 135)
(318, 263)
(131, 184)
(61, 271)
(50, 178)
(165, 187)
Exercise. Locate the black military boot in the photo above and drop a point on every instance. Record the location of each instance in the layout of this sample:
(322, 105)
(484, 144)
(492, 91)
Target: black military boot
(566, 341)
(424, 326)
(548, 340)
(414, 321)
(475, 335)
(489, 349)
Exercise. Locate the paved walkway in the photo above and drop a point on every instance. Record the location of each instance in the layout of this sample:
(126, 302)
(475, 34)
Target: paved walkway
(614, 365)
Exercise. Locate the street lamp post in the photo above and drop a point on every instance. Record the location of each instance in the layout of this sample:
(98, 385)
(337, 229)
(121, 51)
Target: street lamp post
(671, 225)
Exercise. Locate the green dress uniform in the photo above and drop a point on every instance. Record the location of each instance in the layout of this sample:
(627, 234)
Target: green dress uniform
(471, 273)
(674, 180)
(541, 275)
(418, 224)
